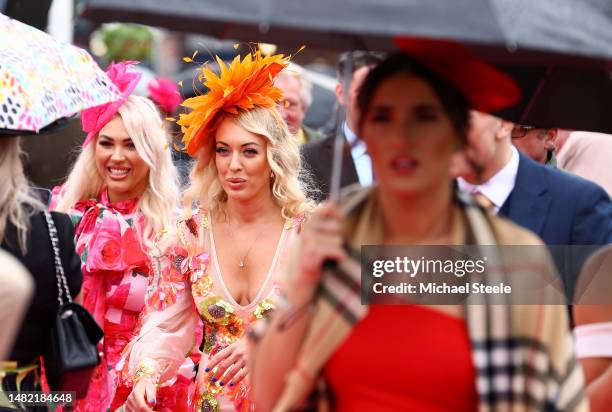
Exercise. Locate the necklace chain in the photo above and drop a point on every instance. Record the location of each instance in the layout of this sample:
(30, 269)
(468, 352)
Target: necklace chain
(242, 259)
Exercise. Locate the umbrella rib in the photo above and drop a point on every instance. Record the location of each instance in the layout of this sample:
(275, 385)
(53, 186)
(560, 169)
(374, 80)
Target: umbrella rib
(535, 95)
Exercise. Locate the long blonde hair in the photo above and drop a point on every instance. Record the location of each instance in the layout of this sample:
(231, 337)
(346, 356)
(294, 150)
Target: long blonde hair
(283, 156)
(160, 200)
(17, 203)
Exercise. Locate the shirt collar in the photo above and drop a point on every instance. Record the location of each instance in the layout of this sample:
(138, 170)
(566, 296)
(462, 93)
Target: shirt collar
(498, 188)
(358, 147)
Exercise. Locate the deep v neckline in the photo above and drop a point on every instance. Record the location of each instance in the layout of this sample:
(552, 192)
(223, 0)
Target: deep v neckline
(263, 287)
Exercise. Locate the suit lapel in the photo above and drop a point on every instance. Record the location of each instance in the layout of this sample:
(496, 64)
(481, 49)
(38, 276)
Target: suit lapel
(349, 171)
(530, 200)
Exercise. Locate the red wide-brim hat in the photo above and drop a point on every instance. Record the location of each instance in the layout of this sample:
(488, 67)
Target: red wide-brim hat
(487, 88)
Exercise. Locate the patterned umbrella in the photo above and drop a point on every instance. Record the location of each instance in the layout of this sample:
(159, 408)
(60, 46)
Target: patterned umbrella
(43, 81)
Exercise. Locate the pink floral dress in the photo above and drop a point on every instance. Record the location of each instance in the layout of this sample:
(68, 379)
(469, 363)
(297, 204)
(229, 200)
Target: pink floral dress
(116, 274)
(189, 286)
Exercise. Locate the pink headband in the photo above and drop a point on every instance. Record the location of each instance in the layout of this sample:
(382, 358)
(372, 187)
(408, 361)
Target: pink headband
(95, 118)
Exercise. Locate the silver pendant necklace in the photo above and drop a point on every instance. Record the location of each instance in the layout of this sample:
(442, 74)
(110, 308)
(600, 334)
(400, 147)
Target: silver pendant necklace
(242, 259)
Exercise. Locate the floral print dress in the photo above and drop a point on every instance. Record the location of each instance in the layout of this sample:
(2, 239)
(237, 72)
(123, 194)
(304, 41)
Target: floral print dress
(116, 274)
(189, 286)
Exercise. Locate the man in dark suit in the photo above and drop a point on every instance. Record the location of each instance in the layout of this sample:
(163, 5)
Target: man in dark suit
(561, 208)
(318, 156)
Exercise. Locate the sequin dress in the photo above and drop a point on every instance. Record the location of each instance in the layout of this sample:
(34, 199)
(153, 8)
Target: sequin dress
(190, 286)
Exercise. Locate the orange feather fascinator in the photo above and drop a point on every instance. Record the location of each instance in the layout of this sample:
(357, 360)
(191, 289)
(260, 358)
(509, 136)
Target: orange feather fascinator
(244, 85)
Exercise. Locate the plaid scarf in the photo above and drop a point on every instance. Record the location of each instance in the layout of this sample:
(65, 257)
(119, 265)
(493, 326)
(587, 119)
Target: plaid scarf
(523, 354)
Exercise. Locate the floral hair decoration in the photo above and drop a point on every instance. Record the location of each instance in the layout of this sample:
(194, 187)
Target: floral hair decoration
(244, 85)
(95, 118)
(165, 93)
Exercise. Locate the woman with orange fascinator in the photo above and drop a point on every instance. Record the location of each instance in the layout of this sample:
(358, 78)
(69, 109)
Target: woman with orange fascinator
(221, 262)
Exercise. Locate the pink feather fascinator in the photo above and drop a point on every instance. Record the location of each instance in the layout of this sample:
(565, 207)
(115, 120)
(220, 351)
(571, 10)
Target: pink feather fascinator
(95, 118)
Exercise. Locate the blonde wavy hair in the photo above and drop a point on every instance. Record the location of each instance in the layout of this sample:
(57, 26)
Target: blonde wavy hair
(17, 203)
(282, 151)
(160, 200)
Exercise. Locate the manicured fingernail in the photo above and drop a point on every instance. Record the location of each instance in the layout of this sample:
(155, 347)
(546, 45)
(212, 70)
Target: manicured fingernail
(231, 384)
(214, 379)
(221, 383)
(207, 370)
(152, 401)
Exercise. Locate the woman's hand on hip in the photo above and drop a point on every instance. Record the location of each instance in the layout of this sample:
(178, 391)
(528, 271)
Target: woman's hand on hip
(229, 366)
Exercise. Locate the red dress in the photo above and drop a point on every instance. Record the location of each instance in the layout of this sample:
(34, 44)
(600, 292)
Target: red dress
(404, 358)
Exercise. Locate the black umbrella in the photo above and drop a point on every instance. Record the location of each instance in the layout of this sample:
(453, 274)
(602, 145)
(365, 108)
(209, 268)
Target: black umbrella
(572, 27)
(555, 49)
(564, 97)
(558, 91)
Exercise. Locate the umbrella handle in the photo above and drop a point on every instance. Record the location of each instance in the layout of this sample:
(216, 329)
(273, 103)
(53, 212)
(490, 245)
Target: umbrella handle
(336, 172)
(334, 186)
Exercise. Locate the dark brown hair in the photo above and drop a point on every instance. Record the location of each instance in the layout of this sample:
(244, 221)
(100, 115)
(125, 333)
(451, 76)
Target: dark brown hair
(359, 59)
(453, 101)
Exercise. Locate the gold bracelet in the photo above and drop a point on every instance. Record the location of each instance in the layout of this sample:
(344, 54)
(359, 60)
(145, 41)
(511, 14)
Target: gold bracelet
(143, 370)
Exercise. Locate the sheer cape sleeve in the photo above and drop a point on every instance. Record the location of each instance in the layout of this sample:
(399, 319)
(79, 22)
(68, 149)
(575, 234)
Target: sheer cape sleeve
(168, 332)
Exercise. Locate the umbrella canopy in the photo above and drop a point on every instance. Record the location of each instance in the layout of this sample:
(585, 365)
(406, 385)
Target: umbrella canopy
(43, 81)
(572, 27)
(559, 51)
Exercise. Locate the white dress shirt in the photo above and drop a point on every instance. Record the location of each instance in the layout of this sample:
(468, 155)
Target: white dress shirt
(360, 156)
(497, 188)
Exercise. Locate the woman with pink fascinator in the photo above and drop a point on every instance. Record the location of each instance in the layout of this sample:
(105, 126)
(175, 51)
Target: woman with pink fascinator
(121, 193)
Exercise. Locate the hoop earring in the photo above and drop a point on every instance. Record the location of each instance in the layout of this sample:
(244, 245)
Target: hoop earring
(272, 176)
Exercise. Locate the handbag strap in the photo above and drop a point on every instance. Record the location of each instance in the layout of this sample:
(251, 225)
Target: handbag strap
(62, 283)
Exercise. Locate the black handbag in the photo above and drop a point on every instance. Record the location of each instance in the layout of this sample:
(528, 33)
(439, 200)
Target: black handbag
(71, 354)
